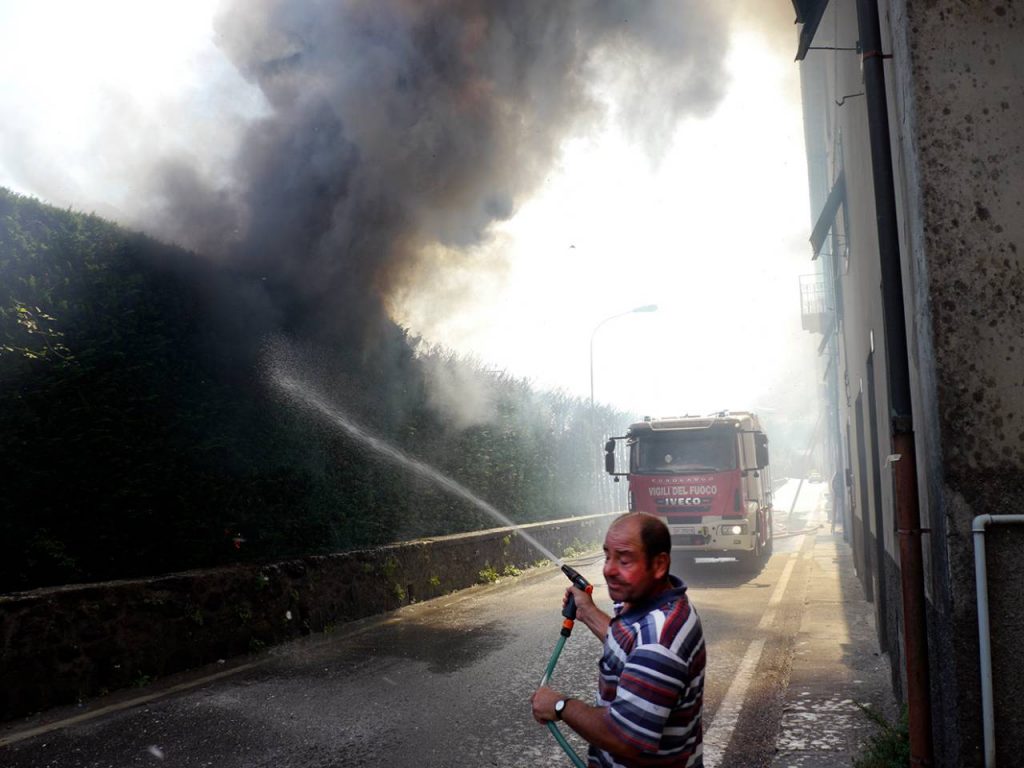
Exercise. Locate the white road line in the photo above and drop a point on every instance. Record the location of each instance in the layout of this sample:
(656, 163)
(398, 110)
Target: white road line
(717, 737)
(773, 602)
(720, 733)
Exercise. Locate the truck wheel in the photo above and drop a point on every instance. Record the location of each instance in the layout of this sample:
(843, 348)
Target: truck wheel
(754, 562)
(766, 551)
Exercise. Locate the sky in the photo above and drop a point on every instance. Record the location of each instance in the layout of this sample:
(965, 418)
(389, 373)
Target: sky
(714, 235)
(709, 220)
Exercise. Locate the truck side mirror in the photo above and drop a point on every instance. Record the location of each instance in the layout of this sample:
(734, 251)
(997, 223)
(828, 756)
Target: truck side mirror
(761, 448)
(609, 457)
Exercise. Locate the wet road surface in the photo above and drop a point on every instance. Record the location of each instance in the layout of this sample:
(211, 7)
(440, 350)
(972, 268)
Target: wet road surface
(442, 683)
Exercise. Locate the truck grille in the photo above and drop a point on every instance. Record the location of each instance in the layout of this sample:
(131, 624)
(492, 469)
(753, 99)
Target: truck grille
(696, 540)
(673, 510)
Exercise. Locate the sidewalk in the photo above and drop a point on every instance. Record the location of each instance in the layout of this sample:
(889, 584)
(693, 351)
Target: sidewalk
(836, 665)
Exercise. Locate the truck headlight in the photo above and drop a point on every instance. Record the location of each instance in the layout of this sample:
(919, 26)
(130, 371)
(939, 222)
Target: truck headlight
(733, 530)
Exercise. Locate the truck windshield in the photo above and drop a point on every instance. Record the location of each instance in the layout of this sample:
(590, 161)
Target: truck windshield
(685, 453)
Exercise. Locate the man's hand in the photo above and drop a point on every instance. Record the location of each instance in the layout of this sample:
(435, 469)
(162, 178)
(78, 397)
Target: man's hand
(582, 597)
(543, 703)
(592, 723)
(593, 617)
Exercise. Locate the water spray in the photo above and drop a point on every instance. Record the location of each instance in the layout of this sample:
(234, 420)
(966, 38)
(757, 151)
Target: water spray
(310, 399)
(568, 621)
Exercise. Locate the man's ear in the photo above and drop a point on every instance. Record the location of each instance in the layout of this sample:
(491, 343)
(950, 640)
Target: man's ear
(662, 562)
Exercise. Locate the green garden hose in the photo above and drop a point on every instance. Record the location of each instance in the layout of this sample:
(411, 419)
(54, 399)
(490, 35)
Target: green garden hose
(569, 619)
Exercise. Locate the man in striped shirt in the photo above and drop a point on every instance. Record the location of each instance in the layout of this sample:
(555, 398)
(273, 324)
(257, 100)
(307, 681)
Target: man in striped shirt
(651, 686)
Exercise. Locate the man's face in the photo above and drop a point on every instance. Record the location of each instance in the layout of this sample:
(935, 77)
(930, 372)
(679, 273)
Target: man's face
(630, 578)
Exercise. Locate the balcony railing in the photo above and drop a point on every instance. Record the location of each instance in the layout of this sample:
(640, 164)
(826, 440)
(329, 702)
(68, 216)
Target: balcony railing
(815, 313)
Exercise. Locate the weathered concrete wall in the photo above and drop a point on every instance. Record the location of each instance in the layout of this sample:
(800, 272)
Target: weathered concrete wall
(64, 644)
(960, 82)
(955, 87)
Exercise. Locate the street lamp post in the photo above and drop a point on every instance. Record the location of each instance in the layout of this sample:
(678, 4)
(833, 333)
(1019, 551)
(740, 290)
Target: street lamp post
(645, 308)
(607, 501)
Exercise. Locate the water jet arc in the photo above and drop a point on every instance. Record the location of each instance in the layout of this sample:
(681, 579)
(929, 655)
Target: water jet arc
(320, 406)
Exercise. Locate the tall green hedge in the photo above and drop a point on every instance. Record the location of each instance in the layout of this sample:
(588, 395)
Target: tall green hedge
(139, 434)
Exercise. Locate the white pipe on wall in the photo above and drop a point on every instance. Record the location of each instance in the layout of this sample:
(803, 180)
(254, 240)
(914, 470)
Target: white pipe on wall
(981, 522)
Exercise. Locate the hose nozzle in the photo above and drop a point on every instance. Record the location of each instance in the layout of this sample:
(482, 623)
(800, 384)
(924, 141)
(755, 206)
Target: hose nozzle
(578, 581)
(569, 611)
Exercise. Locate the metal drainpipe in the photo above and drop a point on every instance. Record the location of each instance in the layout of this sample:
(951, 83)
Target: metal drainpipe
(984, 638)
(897, 366)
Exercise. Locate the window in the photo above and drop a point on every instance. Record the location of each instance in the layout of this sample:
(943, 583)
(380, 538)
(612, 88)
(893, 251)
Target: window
(686, 452)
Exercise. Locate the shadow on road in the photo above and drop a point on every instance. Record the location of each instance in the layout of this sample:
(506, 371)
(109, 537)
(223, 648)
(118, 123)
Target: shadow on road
(444, 649)
(717, 572)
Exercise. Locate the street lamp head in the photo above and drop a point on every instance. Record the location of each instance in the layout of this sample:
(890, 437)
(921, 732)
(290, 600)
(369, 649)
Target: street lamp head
(645, 308)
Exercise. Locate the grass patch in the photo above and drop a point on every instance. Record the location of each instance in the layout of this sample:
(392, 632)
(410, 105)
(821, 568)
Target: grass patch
(890, 747)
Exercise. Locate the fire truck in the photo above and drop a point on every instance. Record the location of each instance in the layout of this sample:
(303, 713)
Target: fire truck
(708, 478)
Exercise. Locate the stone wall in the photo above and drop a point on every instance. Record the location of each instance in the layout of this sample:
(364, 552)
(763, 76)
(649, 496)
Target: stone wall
(64, 644)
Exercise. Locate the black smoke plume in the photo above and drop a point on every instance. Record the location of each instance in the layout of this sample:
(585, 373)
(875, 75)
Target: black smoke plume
(393, 125)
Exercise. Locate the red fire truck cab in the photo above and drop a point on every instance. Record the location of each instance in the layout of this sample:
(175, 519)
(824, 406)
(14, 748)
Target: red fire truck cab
(708, 478)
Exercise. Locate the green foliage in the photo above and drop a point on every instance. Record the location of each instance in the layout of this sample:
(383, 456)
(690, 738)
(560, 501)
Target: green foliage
(577, 549)
(488, 575)
(140, 436)
(141, 680)
(390, 567)
(890, 748)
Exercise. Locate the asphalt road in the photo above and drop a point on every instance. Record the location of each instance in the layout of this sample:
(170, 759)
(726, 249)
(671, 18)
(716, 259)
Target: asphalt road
(441, 683)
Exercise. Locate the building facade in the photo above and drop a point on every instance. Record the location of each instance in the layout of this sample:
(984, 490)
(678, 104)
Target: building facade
(947, 237)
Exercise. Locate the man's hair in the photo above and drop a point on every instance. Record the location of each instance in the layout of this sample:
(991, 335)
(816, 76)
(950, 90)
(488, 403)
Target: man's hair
(653, 533)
